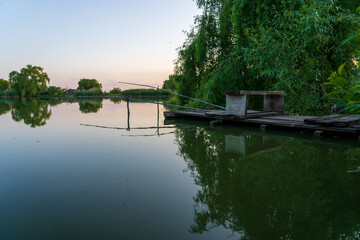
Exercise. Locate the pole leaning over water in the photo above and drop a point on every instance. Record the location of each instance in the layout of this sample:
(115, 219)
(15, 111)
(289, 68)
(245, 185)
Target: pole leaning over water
(177, 94)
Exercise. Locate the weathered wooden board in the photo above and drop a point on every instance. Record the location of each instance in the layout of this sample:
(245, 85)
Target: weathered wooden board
(336, 120)
(237, 93)
(316, 120)
(224, 115)
(347, 121)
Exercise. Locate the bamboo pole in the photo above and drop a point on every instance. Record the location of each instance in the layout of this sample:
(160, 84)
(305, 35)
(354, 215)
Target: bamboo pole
(177, 94)
(167, 104)
(119, 128)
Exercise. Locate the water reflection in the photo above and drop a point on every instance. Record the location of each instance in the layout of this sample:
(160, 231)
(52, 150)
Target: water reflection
(271, 187)
(33, 112)
(115, 100)
(4, 108)
(260, 185)
(92, 105)
(36, 111)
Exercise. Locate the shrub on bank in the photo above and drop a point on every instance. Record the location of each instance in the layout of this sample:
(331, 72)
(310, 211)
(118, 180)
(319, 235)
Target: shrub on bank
(115, 91)
(97, 92)
(143, 92)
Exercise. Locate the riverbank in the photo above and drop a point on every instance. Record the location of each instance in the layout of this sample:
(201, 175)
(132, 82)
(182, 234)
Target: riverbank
(98, 93)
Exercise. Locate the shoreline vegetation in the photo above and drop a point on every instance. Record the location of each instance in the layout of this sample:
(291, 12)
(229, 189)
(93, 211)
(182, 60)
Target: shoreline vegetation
(291, 46)
(96, 93)
(33, 82)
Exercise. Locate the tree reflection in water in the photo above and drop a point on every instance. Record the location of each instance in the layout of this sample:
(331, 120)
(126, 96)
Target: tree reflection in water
(268, 187)
(34, 112)
(92, 105)
(115, 100)
(4, 108)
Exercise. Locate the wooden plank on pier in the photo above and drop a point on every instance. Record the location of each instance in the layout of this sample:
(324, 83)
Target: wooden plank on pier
(350, 120)
(340, 124)
(316, 120)
(237, 93)
(250, 114)
(336, 120)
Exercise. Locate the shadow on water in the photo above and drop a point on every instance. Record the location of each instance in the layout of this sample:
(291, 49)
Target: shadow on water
(268, 186)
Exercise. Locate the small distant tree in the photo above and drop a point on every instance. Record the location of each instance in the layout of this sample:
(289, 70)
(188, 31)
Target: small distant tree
(52, 90)
(4, 85)
(87, 84)
(30, 81)
(115, 91)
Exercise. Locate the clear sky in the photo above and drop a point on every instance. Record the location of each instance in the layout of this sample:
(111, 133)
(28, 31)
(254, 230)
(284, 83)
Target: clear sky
(110, 40)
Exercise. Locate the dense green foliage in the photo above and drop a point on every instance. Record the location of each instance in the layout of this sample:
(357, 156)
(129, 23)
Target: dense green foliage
(87, 84)
(171, 83)
(344, 92)
(55, 91)
(265, 45)
(30, 81)
(115, 91)
(4, 85)
(143, 92)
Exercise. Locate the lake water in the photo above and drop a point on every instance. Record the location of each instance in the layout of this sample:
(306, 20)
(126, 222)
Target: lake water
(124, 178)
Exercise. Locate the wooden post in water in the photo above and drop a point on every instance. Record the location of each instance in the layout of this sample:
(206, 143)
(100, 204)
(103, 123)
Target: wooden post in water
(128, 110)
(157, 101)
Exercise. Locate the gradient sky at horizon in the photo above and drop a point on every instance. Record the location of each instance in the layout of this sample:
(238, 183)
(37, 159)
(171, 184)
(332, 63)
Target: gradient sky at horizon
(108, 40)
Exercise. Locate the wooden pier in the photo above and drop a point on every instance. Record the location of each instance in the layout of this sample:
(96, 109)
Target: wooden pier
(331, 125)
(273, 116)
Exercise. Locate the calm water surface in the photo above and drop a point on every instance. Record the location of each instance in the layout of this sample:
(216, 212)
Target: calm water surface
(63, 178)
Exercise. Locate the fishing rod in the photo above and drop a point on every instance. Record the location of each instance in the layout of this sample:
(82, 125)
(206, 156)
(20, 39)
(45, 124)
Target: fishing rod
(177, 94)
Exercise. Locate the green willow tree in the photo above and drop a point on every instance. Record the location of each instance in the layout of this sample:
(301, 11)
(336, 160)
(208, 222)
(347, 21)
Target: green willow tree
(265, 45)
(30, 81)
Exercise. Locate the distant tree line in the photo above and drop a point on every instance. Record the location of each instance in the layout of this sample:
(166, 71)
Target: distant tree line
(33, 81)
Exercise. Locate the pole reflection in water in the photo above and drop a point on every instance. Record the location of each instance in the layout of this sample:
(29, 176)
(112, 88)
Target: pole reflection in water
(247, 145)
